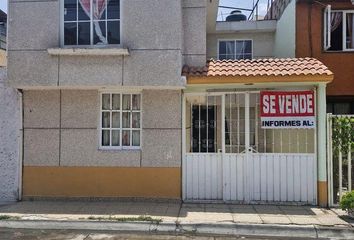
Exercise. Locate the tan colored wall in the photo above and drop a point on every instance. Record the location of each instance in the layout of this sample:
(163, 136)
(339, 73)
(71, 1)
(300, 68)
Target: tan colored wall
(102, 182)
(263, 43)
(3, 59)
(309, 43)
(60, 132)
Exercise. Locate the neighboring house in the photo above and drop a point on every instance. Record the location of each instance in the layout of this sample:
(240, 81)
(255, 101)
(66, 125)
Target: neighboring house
(108, 110)
(3, 29)
(10, 128)
(333, 45)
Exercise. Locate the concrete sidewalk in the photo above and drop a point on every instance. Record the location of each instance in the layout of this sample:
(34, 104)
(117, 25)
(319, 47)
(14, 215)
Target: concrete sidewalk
(229, 219)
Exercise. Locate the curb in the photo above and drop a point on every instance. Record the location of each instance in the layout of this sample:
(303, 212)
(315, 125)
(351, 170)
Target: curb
(231, 229)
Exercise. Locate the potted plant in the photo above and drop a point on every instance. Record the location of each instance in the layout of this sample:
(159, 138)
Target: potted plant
(347, 203)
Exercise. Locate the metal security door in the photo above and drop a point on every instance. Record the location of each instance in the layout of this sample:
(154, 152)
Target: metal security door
(238, 146)
(229, 157)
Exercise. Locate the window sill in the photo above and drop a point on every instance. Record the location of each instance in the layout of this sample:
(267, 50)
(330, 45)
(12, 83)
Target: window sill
(121, 150)
(88, 51)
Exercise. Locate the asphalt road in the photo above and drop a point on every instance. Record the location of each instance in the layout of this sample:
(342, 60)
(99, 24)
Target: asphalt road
(25, 234)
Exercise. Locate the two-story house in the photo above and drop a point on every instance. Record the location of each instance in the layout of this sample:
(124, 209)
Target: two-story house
(119, 100)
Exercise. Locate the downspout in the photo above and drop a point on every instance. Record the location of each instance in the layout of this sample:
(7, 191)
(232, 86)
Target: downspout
(20, 144)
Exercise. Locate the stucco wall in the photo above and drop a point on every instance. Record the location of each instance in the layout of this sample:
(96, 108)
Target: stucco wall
(309, 43)
(263, 43)
(284, 46)
(60, 129)
(10, 140)
(158, 42)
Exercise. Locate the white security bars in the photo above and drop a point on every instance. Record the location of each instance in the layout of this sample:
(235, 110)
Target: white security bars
(340, 147)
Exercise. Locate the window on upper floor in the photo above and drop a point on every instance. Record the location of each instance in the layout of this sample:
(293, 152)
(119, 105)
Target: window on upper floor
(120, 124)
(235, 49)
(90, 22)
(338, 30)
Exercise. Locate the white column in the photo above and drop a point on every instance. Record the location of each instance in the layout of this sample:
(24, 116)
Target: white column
(322, 186)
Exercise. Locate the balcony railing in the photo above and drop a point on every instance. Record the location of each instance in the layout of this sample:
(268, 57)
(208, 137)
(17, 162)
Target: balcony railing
(253, 13)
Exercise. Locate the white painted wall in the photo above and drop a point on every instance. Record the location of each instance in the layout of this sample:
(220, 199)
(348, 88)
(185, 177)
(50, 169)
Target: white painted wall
(10, 140)
(285, 34)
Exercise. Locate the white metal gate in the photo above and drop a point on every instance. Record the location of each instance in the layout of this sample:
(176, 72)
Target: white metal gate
(240, 168)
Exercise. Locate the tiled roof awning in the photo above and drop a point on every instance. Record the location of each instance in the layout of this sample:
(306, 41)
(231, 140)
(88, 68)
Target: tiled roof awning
(259, 71)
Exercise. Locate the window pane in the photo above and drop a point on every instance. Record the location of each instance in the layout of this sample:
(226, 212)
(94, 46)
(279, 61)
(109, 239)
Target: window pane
(240, 48)
(336, 31)
(70, 10)
(222, 48)
(136, 120)
(115, 138)
(84, 33)
(136, 138)
(248, 47)
(126, 102)
(105, 138)
(116, 101)
(126, 120)
(350, 31)
(113, 9)
(126, 138)
(105, 120)
(84, 10)
(105, 101)
(70, 34)
(136, 102)
(115, 119)
(113, 32)
(230, 47)
(99, 36)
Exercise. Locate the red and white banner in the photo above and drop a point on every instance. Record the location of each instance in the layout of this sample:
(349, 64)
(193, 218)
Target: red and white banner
(287, 109)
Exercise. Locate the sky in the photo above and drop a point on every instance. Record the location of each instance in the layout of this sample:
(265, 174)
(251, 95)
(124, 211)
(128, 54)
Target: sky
(3, 5)
(224, 12)
(242, 4)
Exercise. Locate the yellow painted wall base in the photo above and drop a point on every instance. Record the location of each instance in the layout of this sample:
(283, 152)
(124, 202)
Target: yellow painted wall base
(322, 194)
(102, 182)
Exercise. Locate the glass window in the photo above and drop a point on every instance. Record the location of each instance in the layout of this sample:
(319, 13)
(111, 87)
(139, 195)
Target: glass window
(120, 120)
(235, 49)
(91, 22)
(338, 24)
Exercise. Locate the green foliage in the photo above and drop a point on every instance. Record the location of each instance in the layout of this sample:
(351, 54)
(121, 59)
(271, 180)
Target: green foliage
(347, 202)
(343, 132)
(127, 219)
(6, 217)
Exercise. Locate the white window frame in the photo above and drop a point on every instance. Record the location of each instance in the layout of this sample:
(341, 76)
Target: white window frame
(234, 40)
(327, 27)
(120, 147)
(344, 27)
(91, 45)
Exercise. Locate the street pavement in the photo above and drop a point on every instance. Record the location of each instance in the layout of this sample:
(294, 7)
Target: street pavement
(25, 234)
(47, 219)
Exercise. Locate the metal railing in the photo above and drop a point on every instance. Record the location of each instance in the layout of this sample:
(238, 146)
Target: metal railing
(253, 12)
(339, 160)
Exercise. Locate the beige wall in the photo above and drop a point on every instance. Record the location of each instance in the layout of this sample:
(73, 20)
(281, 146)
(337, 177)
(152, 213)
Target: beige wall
(154, 37)
(3, 59)
(60, 129)
(263, 43)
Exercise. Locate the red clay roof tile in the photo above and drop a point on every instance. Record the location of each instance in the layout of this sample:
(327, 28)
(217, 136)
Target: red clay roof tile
(259, 67)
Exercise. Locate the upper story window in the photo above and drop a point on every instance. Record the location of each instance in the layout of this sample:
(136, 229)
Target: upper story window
(235, 49)
(91, 22)
(338, 30)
